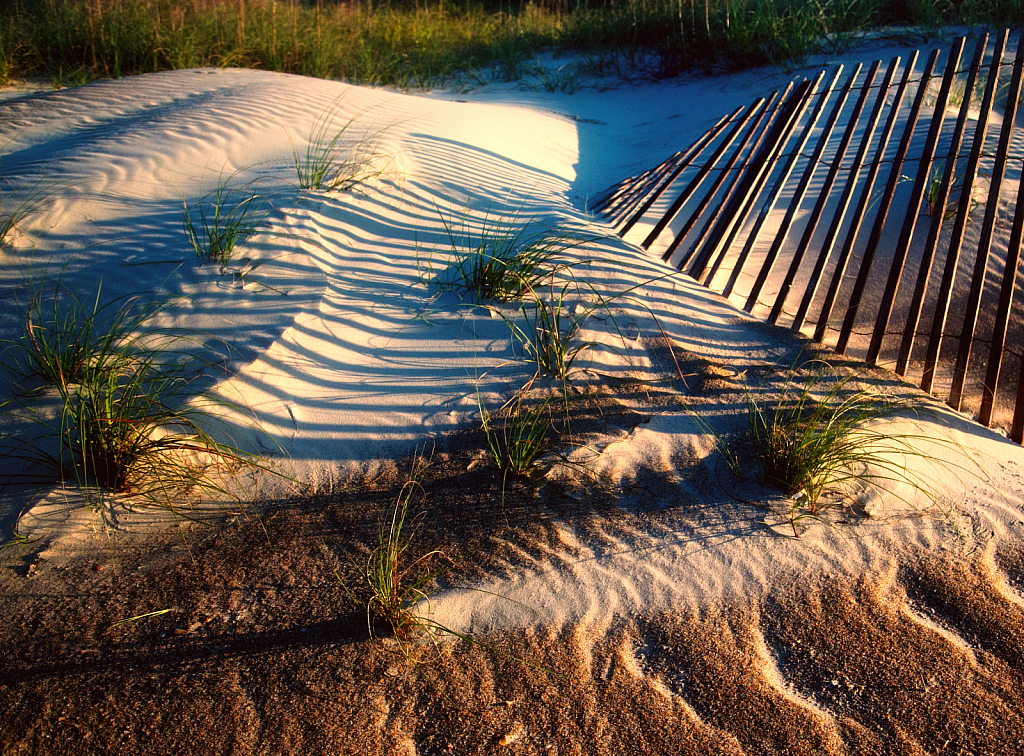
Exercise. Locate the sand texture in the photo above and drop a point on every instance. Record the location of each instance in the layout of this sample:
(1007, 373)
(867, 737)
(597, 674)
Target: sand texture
(635, 596)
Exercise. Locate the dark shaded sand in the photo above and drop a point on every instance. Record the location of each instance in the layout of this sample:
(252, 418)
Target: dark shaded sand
(264, 652)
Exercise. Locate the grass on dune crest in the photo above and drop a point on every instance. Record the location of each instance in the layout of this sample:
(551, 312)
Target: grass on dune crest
(422, 45)
(341, 154)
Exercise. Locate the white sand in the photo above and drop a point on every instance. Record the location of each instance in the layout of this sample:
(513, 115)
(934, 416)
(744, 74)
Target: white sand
(347, 356)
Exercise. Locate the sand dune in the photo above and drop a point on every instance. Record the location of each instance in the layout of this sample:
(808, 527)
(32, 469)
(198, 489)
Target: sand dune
(666, 608)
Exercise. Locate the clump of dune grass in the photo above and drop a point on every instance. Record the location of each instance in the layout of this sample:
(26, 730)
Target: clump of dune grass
(394, 585)
(826, 437)
(549, 330)
(518, 439)
(339, 156)
(224, 218)
(116, 409)
(501, 257)
(397, 584)
(63, 338)
(398, 577)
(548, 324)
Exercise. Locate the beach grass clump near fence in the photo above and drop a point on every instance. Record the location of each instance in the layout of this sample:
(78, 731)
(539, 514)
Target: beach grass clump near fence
(501, 258)
(421, 44)
(826, 437)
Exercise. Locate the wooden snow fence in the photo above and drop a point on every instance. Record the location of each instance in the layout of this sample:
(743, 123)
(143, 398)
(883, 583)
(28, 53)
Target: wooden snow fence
(875, 209)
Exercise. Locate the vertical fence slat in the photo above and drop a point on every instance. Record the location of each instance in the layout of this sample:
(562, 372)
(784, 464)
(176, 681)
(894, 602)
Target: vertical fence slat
(764, 126)
(938, 213)
(956, 392)
(917, 194)
(1017, 428)
(868, 258)
(773, 195)
(629, 187)
(697, 180)
(995, 357)
(826, 246)
(960, 223)
(763, 168)
(847, 193)
(760, 129)
(628, 197)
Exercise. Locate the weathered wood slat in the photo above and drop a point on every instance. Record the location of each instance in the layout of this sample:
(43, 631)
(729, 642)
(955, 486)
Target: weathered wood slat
(627, 197)
(760, 171)
(962, 216)
(846, 195)
(995, 355)
(697, 180)
(731, 211)
(805, 178)
(833, 172)
(857, 219)
(695, 150)
(910, 219)
(890, 187)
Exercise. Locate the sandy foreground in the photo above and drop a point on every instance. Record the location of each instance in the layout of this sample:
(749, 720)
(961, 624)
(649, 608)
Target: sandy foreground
(641, 600)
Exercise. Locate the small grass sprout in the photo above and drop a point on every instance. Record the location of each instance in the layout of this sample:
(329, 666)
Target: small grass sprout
(396, 587)
(502, 258)
(336, 159)
(146, 616)
(518, 441)
(392, 583)
(222, 219)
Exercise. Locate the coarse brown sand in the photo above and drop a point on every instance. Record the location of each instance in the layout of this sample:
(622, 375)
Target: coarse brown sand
(263, 651)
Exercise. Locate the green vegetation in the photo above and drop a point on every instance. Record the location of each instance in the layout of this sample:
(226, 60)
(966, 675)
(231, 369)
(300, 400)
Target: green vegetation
(821, 439)
(518, 440)
(16, 206)
(500, 258)
(115, 404)
(338, 157)
(392, 582)
(222, 219)
(550, 325)
(547, 332)
(63, 339)
(421, 45)
(394, 586)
